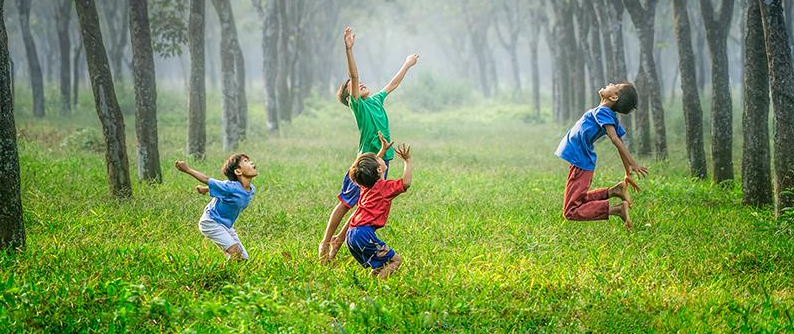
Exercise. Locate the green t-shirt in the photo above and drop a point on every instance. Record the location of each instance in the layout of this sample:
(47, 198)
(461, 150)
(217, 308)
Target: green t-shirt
(371, 118)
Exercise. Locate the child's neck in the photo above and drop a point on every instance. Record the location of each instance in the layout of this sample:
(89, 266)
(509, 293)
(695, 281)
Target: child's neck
(606, 103)
(245, 182)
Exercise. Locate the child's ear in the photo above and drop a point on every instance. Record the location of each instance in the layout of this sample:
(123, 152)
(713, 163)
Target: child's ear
(614, 98)
(238, 172)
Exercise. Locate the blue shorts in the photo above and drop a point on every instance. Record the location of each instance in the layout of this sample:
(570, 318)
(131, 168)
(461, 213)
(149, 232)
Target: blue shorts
(366, 248)
(350, 190)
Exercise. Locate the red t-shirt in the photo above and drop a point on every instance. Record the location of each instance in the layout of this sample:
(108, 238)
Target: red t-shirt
(374, 203)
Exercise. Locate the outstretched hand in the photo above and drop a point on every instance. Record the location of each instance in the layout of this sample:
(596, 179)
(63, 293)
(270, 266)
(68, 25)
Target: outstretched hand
(411, 60)
(404, 151)
(384, 144)
(350, 37)
(640, 170)
(181, 165)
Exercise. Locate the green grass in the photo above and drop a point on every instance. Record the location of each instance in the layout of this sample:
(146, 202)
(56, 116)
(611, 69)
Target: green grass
(481, 232)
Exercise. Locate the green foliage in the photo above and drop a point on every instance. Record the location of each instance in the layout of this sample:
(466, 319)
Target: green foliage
(168, 20)
(481, 232)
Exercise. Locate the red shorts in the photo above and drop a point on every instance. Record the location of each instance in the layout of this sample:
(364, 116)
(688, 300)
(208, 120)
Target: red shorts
(580, 202)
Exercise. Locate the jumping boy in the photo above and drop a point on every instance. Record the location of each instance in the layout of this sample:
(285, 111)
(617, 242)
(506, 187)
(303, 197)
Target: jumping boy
(229, 199)
(580, 203)
(371, 119)
(369, 172)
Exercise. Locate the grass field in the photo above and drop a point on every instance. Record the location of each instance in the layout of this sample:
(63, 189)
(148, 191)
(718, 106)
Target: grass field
(481, 232)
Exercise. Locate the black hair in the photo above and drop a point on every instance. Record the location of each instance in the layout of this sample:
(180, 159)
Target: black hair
(627, 98)
(364, 171)
(232, 163)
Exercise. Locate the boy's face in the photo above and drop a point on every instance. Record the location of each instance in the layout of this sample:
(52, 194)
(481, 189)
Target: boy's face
(363, 91)
(247, 168)
(381, 167)
(610, 92)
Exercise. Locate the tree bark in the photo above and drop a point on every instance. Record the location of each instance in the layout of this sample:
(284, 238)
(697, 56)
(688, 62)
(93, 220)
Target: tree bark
(756, 176)
(595, 48)
(511, 17)
(270, 32)
(145, 93)
(643, 123)
(781, 79)
(197, 101)
(242, 100)
(36, 78)
(62, 18)
(583, 15)
(231, 107)
(693, 113)
(722, 109)
(107, 106)
(643, 18)
(117, 19)
(12, 226)
(282, 80)
(618, 60)
(77, 70)
(535, 76)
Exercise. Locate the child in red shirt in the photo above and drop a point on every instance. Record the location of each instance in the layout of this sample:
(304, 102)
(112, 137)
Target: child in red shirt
(373, 210)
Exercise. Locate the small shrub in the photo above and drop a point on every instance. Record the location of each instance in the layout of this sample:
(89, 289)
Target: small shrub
(86, 139)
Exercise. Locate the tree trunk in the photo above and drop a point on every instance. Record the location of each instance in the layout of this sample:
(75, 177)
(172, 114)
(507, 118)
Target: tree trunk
(512, 20)
(270, 32)
(561, 38)
(643, 19)
(242, 100)
(781, 79)
(62, 18)
(117, 19)
(197, 101)
(618, 59)
(756, 178)
(231, 107)
(596, 52)
(535, 76)
(145, 93)
(721, 110)
(693, 113)
(107, 106)
(283, 93)
(12, 227)
(643, 123)
(583, 16)
(77, 70)
(36, 78)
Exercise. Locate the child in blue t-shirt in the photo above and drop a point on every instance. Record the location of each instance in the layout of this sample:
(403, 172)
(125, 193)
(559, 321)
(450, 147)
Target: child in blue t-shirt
(580, 203)
(229, 198)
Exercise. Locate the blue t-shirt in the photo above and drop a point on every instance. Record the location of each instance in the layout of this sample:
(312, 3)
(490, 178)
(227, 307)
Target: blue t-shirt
(229, 198)
(577, 145)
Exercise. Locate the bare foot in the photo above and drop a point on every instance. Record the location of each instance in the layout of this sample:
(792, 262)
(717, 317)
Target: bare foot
(336, 245)
(621, 190)
(624, 214)
(323, 251)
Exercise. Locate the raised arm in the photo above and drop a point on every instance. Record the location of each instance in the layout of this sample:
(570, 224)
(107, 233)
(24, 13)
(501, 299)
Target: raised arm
(183, 167)
(404, 151)
(410, 61)
(628, 161)
(350, 38)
